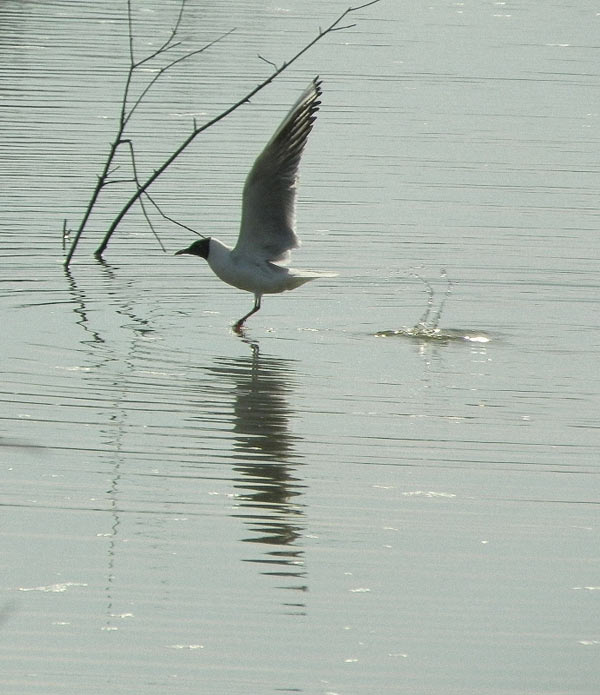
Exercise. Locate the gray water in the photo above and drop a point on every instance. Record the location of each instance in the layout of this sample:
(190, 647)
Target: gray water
(308, 508)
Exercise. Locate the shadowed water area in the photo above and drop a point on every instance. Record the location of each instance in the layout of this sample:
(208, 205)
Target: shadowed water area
(389, 482)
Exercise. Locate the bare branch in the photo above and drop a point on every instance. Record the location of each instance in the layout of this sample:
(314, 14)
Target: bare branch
(171, 219)
(335, 25)
(149, 221)
(124, 117)
(113, 182)
(95, 194)
(129, 72)
(141, 199)
(177, 23)
(168, 44)
(361, 7)
(268, 62)
(159, 51)
(170, 65)
(346, 26)
(130, 29)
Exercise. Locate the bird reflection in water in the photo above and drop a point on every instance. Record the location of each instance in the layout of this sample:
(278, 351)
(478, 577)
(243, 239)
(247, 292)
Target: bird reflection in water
(267, 486)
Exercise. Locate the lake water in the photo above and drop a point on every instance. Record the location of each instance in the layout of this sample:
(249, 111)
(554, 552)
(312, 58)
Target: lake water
(306, 508)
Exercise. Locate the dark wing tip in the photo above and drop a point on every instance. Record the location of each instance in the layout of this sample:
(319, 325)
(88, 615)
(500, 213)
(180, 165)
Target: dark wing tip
(318, 85)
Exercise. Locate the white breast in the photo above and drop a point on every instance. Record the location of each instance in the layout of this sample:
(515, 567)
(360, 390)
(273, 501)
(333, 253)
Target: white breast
(246, 273)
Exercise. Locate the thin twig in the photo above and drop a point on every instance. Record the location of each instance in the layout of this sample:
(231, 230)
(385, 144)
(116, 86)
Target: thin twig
(114, 182)
(268, 62)
(131, 68)
(141, 199)
(171, 219)
(164, 69)
(168, 44)
(361, 7)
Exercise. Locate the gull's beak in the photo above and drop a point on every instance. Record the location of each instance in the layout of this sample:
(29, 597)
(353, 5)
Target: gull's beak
(179, 253)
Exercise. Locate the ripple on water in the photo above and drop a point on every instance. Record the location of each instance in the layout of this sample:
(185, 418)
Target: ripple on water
(434, 334)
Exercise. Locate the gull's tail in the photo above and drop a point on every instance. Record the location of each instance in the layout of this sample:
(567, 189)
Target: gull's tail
(298, 277)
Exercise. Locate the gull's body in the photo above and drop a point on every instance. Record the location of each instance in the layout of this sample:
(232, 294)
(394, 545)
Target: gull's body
(258, 262)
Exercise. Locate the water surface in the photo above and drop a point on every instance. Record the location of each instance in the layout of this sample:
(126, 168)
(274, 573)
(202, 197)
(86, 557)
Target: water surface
(309, 508)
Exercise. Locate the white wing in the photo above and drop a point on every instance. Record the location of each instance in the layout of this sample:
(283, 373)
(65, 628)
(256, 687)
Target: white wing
(267, 230)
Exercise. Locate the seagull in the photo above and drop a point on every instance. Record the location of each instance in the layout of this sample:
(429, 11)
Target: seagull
(259, 261)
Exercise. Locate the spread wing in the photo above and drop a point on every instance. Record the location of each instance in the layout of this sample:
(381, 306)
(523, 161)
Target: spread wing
(268, 224)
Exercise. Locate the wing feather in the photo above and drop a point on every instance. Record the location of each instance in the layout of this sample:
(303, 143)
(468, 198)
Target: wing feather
(268, 227)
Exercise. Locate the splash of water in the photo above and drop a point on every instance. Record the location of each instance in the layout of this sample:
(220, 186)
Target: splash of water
(427, 328)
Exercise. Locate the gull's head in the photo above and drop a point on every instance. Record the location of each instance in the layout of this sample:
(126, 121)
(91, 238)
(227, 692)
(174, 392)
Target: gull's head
(198, 248)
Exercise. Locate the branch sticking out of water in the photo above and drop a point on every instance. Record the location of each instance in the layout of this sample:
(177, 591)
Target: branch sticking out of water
(128, 109)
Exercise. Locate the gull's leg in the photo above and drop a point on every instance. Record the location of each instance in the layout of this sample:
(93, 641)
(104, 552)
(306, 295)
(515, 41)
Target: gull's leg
(238, 324)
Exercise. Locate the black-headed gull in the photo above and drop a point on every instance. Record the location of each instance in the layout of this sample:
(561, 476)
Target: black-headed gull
(258, 262)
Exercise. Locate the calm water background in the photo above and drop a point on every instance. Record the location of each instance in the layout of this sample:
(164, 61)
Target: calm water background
(310, 509)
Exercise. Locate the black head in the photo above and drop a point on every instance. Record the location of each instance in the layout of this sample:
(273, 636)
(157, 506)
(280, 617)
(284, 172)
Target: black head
(198, 248)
